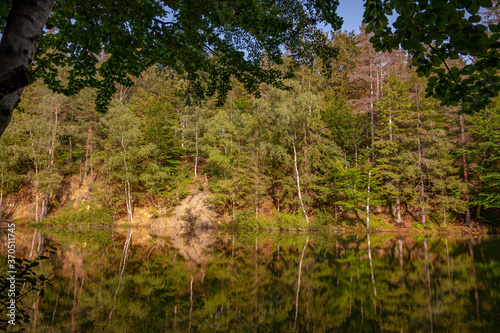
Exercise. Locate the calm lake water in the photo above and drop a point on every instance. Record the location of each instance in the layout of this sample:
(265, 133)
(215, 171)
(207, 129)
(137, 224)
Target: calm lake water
(211, 281)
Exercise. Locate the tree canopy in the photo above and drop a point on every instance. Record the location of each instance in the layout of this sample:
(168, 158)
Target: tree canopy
(104, 43)
(436, 35)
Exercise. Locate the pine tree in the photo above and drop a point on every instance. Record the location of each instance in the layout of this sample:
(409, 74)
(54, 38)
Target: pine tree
(485, 150)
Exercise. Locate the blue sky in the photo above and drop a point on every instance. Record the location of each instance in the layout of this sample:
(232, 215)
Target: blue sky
(352, 13)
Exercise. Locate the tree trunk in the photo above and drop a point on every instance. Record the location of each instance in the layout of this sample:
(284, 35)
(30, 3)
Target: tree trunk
(444, 214)
(256, 176)
(298, 179)
(54, 136)
(17, 48)
(87, 153)
(1, 197)
(36, 193)
(372, 111)
(91, 159)
(368, 201)
(55, 310)
(419, 148)
(464, 160)
(196, 144)
(398, 205)
(70, 149)
(128, 196)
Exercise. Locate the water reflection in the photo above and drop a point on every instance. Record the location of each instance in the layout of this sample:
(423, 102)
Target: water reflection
(135, 281)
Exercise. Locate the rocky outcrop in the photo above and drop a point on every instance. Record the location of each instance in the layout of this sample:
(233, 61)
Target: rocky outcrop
(193, 212)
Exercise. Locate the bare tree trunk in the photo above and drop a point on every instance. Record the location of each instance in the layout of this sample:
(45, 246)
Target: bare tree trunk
(17, 48)
(444, 211)
(398, 205)
(45, 203)
(87, 153)
(1, 197)
(54, 136)
(419, 148)
(55, 310)
(464, 160)
(298, 178)
(70, 148)
(128, 196)
(256, 176)
(368, 201)
(372, 110)
(298, 283)
(36, 194)
(91, 156)
(196, 144)
(183, 145)
(128, 201)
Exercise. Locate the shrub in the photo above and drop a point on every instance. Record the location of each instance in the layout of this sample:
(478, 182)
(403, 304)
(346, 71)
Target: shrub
(90, 215)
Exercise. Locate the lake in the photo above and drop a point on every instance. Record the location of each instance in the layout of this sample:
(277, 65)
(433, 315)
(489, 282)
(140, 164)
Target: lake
(140, 280)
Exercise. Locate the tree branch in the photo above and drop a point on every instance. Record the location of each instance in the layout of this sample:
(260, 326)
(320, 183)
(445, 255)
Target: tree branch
(449, 71)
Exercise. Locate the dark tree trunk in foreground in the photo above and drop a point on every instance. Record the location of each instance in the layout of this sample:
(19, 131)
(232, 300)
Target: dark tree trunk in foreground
(17, 49)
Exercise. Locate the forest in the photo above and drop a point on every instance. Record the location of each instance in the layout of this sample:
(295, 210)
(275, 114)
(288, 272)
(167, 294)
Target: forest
(349, 139)
(345, 141)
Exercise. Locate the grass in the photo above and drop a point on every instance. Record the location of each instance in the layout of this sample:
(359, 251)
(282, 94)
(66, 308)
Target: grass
(276, 221)
(91, 215)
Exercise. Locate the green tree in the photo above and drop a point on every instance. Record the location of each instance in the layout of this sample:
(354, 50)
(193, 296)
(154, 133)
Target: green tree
(485, 149)
(435, 33)
(123, 154)
(107, 42)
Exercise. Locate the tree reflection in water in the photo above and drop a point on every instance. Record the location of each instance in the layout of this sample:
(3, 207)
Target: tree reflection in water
(278, 282)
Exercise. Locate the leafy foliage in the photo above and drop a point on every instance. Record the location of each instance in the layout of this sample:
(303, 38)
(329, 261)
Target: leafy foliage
(107, 43)
(435, 34)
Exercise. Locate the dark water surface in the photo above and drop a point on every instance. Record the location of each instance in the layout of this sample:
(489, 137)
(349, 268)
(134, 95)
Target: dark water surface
(136, 281)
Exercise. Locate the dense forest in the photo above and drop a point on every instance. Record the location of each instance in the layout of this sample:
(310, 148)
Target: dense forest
(354, 140)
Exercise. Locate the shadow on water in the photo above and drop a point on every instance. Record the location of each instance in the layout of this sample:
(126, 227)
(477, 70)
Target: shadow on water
(139, 280)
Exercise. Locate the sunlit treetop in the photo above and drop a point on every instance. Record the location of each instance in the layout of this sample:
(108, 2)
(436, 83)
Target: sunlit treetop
(447, 42)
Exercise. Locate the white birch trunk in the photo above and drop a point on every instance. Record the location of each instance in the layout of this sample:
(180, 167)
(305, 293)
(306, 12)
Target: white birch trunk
(419, 147)
(17, 48)
(368, 201)
(196, 144)
(298, 180)
(464, 160)
(128, 196)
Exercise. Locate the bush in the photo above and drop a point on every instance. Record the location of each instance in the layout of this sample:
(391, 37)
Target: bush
(85, 216)
(277, 221)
